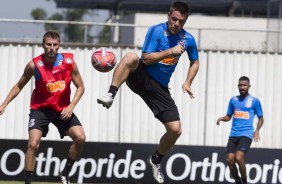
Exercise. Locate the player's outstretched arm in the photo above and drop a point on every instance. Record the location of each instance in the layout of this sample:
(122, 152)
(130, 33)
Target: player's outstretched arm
(26, 76)
(224, 118)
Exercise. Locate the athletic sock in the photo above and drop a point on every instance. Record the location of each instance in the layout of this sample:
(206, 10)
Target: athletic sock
(68, 167)
(28, 176)
(244, 180)
(113, 90)
(157, 157)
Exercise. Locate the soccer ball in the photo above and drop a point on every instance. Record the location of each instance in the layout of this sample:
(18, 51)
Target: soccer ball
(103, 59)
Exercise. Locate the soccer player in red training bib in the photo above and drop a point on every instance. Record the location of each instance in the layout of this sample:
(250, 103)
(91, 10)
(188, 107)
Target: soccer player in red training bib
(149, 76)
(50, 102)
(243, 108)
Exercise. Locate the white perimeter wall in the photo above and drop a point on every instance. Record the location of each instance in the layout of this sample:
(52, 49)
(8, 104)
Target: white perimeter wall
(209, 34)
(129, 119)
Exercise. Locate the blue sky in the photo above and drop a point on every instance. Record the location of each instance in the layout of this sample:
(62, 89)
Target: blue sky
(21, 9)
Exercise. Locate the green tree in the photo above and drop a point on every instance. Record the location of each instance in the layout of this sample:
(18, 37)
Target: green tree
(38, 14)
(75, 32)
(70, 32)
(105, 35)
(58, 27)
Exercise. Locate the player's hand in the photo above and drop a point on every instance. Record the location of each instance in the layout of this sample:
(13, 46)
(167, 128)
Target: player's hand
(218, 121)
(66, 113)
(186, 88)
(256, 136)
(177, 50)
(2, 109)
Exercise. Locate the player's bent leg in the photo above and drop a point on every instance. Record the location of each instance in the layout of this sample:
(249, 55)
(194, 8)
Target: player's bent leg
(166, 143)
(30, 155)
(230, 159)
(32, 148)
(173, 132)
(240, 160)
(77, 134)
(128, 64)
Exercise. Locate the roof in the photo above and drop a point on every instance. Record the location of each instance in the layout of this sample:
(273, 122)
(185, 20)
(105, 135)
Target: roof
(211, 7)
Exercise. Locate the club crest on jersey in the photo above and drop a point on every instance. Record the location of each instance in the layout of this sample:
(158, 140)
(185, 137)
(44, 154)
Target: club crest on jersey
(60, 62)
(181, 42)
(68, 60)
(166, 33)
(249, 103)
(40, 63)
(181, 35)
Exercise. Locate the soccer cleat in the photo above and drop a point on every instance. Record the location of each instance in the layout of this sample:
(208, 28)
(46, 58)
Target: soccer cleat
(157, 171)
(106, 100)
(64, 179)
(238, 181)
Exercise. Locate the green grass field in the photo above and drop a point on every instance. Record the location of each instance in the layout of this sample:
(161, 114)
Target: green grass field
(20, 182)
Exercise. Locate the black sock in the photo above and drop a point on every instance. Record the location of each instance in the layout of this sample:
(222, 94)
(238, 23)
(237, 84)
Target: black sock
(68, 167)
(244, 180)
(113, 90)
(28, 176)
(157, 157)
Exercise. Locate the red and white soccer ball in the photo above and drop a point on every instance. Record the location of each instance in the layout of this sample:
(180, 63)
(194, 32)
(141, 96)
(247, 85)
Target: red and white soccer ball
(103, 59)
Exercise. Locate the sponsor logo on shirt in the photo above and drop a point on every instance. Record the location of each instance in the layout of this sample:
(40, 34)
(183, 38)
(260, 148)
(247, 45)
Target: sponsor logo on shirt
(55, 86)
(241, 115)
(40, 63)
(169, 60)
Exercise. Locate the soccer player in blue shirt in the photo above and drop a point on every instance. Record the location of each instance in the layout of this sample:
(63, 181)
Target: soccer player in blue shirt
(149, 76)
(243, 108)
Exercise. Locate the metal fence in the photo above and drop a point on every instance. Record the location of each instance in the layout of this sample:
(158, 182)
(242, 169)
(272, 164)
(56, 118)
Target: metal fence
(130, 121)
(207, 38)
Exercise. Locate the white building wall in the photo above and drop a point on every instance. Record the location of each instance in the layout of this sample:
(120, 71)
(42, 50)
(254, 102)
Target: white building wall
(129, 120)
(213, 32)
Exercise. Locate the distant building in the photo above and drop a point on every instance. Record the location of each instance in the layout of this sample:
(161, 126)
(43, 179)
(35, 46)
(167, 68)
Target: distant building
(210, 32)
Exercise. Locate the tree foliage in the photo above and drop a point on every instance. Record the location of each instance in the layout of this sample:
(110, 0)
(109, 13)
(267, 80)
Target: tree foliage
(69, 32)
(38, 14)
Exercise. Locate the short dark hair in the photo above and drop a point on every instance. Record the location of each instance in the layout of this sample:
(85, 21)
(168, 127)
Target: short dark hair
(244, 78)
(51, 34)
(180, 6)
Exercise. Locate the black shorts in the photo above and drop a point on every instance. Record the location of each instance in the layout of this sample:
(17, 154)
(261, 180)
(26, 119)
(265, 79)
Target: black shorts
(41, 118)
(156, 96)
(238, 144)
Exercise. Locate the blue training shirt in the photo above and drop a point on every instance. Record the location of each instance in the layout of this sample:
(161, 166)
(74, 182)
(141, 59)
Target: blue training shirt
(243, 111)
(159, 39)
